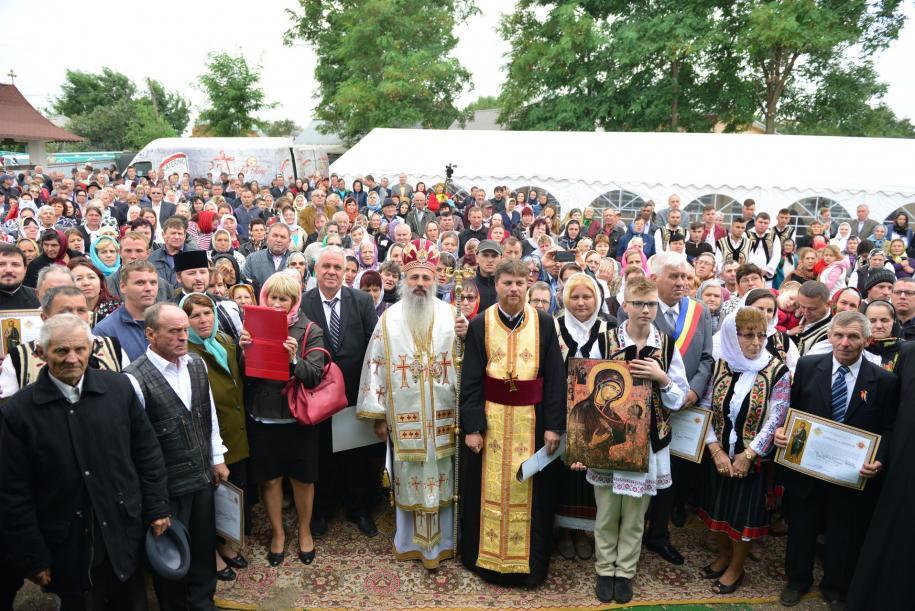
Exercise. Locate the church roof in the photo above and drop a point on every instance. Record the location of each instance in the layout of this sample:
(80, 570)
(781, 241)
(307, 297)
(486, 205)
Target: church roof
(20, 121)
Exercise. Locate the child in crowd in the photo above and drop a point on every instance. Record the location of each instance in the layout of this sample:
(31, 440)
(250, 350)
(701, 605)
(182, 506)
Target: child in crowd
(622, 496)
(787, 306)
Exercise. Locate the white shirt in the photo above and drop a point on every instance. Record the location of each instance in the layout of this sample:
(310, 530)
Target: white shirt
(850, 377)
(326, 307)
(179, 379)
(277, 262)
(71, 393)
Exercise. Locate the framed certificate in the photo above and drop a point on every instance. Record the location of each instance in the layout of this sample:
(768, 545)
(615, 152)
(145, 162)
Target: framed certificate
(689, 426)
(230, 512)
(827, 450)
(18, 327)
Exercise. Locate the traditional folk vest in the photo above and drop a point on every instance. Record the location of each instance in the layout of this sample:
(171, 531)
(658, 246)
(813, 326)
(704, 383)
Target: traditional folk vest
(813, 335)
(767, 240)
(785, 234)
(184, 435)
(106, 354)
(751, 417)
(731, 253)
(567, 345)
(660, 417)
(666, 232)
(777, 345)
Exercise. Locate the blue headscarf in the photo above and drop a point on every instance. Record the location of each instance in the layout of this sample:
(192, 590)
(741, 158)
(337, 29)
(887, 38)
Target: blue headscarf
(93, 256)
(210, 344)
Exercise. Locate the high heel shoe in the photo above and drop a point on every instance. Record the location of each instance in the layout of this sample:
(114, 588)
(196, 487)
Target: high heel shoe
(236, 562)
(708, 572)
(276, 559)
(226, 574)
(307, 557)
(720, 588)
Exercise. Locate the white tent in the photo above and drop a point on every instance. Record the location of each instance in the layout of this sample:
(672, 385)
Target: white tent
(626, 168)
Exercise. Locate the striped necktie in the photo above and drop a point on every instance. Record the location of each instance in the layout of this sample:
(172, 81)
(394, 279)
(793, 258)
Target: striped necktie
(334, 323)
(839, 394)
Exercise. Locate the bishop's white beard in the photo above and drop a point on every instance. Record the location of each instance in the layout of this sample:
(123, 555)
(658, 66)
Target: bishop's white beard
(417, 309)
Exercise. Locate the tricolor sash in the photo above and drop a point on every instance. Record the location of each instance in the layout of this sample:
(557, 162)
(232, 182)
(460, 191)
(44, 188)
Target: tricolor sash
(687, 323)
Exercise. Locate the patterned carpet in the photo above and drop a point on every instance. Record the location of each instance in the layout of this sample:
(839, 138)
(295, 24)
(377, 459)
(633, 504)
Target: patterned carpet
(354, 572)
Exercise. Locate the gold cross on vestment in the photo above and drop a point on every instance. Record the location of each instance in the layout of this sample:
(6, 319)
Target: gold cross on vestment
(511, 382)
(403, 368)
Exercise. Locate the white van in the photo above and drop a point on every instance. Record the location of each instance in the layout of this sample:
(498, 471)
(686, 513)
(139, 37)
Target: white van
(259, 159)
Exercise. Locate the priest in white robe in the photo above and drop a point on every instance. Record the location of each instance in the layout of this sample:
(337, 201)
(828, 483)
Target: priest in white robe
(408, 386)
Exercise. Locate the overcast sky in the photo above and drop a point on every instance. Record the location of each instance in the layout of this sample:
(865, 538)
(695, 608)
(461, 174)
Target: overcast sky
(40, 42)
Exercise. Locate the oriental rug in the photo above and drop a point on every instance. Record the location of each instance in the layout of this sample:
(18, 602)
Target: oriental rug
(355, 572)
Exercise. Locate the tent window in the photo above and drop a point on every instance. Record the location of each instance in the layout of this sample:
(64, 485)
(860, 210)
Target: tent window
(805, 210)
(626, 202)
(909, 209)
(522, 193)
(725, 204)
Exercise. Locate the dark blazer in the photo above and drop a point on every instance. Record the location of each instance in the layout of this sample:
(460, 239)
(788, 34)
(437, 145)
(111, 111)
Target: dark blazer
(166, 210)
(59, 464)
(357, 323)
(811, 391)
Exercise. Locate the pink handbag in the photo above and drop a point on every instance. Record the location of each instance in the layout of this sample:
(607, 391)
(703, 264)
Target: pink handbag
(310, 406)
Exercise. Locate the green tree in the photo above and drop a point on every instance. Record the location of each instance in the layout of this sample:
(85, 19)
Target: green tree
(146, 125)
(234, 93)
(173, 107)
(83, 92)
(383, 63)
(105, 127)
(484, 102)
(790, 46)
(686, 65)
(280, 128)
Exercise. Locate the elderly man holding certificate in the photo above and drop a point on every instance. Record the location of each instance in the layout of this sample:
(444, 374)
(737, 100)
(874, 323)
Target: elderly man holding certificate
(849, 390)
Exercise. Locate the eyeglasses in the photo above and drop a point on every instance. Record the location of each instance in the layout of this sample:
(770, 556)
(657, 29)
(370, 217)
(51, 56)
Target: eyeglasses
(904, 293)
(468, 298)
(751, 336)
(536, 302)
(641, 305)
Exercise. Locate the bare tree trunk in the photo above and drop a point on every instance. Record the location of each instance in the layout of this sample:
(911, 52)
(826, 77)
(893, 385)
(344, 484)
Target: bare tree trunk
(675, 100)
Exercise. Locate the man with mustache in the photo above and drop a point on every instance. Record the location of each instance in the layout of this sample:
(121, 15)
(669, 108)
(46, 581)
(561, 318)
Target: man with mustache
(13, 295)
(401, 393)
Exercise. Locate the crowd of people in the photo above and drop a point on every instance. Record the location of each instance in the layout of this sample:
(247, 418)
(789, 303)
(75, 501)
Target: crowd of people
(452, 318)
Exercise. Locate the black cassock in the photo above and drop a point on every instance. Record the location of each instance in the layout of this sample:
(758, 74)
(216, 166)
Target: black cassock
(883, 575)
(550, 416)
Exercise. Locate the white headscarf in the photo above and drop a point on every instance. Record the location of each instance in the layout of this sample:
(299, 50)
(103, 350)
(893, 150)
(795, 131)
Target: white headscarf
(728, 348)
(580, 330)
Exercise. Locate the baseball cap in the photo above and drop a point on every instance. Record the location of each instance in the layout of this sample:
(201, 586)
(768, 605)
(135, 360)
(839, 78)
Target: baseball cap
(490, 245)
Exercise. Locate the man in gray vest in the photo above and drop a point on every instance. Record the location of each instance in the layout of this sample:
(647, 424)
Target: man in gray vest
(173, 387)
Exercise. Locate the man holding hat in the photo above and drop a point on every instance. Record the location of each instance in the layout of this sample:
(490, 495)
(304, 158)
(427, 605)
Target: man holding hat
(174, 388)
(193, 275)
(75, 510)
(489, 253)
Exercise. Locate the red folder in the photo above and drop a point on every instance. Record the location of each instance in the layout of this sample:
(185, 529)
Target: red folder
(266, 357)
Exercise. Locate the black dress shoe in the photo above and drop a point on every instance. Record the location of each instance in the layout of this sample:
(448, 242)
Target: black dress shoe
(678, 516)
(708, 572)
(721, 588)
(226, 574)
(668, 552)
(307, 557)
(622, 590)
(318, 527)
(276, 559)
(791, 596)
(366, 525)
(236, 562)
(604, 589)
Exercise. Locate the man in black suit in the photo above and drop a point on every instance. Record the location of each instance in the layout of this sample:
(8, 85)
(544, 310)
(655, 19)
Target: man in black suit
(164, 210)
(847, 388)
(348, 319)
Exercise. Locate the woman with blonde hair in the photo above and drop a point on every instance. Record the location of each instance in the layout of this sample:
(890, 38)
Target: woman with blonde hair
(280, 446)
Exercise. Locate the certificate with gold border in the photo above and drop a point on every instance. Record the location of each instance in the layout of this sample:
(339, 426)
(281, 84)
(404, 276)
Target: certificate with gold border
(827, 450)
(689, 427)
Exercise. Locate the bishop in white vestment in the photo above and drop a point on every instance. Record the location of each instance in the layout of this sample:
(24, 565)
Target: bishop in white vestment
(409, 382)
